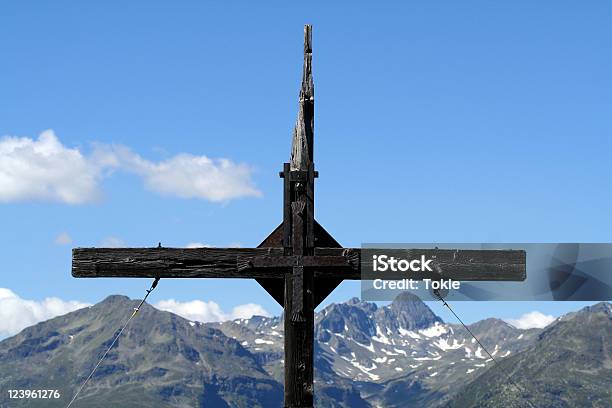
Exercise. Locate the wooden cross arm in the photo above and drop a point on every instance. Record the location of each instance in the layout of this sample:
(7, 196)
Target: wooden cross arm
(458, 264)
(335, 263)
(206, 263)
(328, 262)
(346, 263)
(166, 262)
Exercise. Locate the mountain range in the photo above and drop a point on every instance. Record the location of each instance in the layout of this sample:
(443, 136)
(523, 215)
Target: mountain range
(399, 355)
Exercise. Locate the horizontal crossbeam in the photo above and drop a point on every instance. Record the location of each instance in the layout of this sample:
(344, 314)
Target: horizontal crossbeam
(340, 259)
(165, 262)
(456, 264)
(340, 263)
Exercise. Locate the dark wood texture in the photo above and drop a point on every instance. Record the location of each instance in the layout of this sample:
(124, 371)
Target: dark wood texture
(299, 286)
(456, 264)
(166, 262)
(297, 236)
(319, 262)
(324, 285)
(271, 263)
(275, 287)
(287, 208)
(309, 200)
(302, 152)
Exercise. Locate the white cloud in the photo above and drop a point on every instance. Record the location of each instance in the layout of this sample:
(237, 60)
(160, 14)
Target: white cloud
(193, 310)
(185, 175)
(112, 242)
(203, 245)
(17, 313)
(201, 311)
(531, 320)
(63, 239)
(249, 310)
(197, 245)
(44, 169)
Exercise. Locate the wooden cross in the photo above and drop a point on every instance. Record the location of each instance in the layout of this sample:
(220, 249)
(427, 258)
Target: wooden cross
(299, 263)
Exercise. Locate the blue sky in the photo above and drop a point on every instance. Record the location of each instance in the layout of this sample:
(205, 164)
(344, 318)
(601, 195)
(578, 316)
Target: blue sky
(447, 122)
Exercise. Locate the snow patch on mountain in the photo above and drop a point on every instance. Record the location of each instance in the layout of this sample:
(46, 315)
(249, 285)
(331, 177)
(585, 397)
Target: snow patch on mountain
(434, 331)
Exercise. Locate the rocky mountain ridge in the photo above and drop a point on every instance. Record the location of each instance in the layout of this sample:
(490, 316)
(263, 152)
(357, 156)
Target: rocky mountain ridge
(379, 349)
(365, 356)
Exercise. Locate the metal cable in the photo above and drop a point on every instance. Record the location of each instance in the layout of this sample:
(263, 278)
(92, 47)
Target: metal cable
(519, 388)
(136, 309)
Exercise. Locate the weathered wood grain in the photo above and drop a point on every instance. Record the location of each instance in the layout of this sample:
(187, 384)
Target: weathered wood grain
(167, 262)
(456, 264)
(302, 151)
(299, 285)
(324, 285)
(270, 263)
(275, 287)
(292, 261)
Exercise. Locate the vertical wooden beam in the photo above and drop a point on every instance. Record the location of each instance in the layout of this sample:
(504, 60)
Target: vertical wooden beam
(299, 285)
(297, 209)
(299, 348)
(287, 198)
(310, 219)
(299, 318)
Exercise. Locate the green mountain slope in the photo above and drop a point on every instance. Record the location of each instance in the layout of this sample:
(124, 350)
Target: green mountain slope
(160, 360)
(569, 365)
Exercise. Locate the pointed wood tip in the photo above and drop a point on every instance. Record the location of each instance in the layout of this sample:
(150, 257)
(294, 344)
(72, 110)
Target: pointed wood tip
(307, 38)
(307, 83)
(301, 149)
